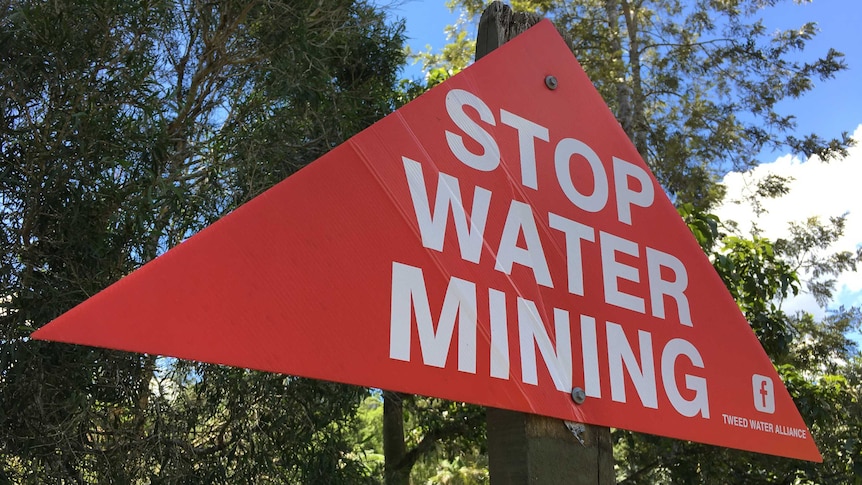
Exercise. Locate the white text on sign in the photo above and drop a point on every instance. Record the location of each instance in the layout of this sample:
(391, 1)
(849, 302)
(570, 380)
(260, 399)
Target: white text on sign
(520, 244)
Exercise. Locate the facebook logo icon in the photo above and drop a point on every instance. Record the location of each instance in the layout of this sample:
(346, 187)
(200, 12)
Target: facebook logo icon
(764, 397)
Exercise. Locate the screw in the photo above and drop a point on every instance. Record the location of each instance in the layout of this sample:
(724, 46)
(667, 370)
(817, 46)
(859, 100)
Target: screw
(551, 82)
(578, 395)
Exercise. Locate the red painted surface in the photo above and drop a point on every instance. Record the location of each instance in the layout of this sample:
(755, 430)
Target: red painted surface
(334, 274)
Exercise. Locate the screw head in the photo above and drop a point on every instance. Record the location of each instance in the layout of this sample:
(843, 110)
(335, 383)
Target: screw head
(551, 82)
(578, 395)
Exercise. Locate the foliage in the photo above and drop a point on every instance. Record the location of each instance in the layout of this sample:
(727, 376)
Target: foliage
(124, 128)
(805, 253)
(368, 437)
(427, 437)
(454, 57)
(827, 391)
(438, 67)
(696, 85)
(817, 360)
(758, 279)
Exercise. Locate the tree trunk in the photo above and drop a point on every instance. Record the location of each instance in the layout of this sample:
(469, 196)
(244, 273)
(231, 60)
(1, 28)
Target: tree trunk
(624, 101)
(394, 447)
(639, 126)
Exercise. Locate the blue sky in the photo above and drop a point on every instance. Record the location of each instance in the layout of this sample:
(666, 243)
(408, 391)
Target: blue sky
(833, 106)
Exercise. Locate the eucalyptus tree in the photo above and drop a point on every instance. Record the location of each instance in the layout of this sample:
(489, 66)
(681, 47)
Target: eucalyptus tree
(125, 127)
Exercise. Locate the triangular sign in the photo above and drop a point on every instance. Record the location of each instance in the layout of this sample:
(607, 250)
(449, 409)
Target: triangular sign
(497, 241)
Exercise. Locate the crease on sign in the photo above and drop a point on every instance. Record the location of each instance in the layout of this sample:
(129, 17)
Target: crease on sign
(516, 193)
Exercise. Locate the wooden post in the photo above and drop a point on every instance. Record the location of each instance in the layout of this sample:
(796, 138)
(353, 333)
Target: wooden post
(538, 450)
(499, 25)
(527, 448)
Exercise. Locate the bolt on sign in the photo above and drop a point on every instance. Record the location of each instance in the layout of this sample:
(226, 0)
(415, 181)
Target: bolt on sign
(497, 241)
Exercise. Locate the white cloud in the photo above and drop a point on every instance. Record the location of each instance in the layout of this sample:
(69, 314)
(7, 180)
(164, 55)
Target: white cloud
(818, 189)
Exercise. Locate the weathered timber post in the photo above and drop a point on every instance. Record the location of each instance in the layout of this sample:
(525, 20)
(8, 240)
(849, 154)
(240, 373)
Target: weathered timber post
(527, 448)
(538, 450)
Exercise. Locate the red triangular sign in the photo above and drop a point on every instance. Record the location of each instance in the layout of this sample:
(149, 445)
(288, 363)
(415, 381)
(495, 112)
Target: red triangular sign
(497, 241)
